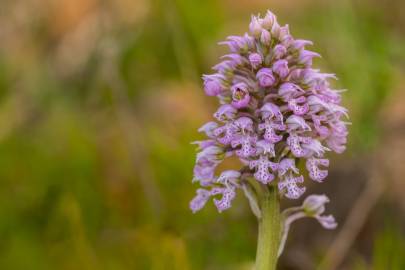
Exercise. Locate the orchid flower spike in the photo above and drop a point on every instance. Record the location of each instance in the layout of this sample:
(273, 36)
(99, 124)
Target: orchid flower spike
(292, 113)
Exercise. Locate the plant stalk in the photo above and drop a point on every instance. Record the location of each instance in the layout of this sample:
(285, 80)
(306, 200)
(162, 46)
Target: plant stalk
(269, 230)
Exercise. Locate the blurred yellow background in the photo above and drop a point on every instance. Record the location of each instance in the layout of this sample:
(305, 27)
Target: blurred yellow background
(99, 101)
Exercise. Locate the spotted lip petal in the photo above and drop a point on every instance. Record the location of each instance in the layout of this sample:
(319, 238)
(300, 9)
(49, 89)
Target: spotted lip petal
(225, 202)
(294, 142)
(226, 133)
(294, 105)
(270, 134)
(315, 173)
(290, 186)
(246, 143)
(263, 166)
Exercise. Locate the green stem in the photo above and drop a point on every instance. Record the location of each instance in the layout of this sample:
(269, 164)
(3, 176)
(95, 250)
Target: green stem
(269, 230)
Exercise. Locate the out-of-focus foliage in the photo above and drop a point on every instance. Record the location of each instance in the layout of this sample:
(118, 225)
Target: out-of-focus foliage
(99, 101)
(388, 249)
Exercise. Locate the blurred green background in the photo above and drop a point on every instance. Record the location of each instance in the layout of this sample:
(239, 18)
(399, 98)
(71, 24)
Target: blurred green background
(99, 101)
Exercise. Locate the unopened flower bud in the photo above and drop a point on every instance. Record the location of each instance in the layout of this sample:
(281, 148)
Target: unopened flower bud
(265, 77)
(265, 37)
(268, 20)
(255, 60)
(279, 51)
(213, 84)
(212, 87)
(255, 27)
(280, 67)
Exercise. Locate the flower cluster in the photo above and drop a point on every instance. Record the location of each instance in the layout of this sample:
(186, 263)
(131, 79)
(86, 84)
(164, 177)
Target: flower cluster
(275, 110)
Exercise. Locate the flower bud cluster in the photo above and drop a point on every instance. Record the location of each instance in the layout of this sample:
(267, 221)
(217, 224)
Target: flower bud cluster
(275, 110)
